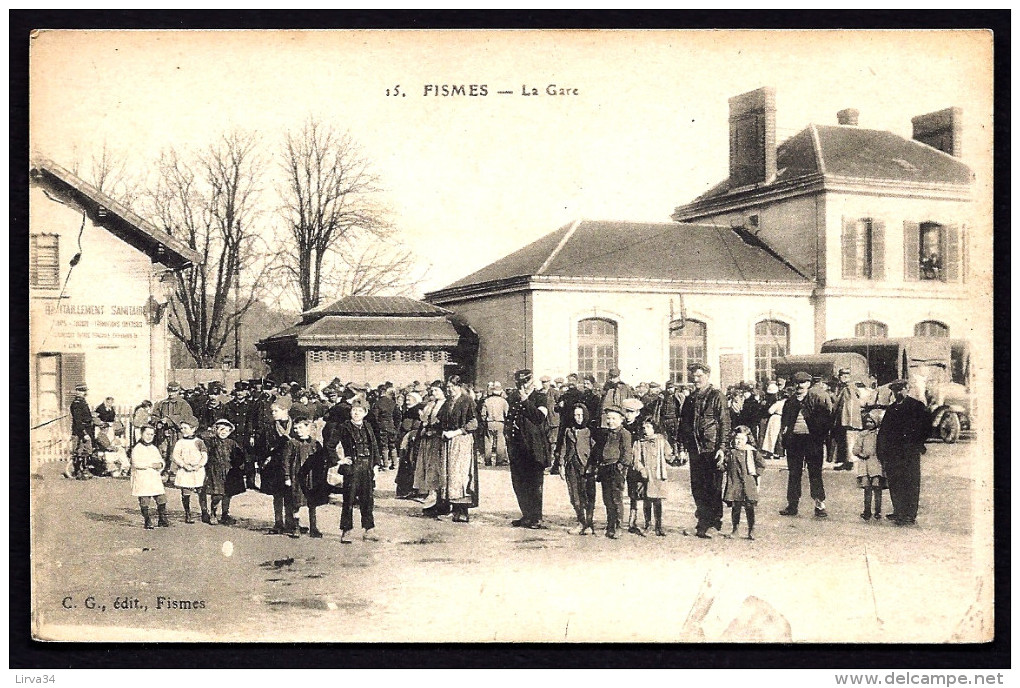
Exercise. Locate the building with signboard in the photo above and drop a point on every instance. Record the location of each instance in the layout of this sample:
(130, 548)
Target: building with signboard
(97, 296)
(371, 339)
(839, 231)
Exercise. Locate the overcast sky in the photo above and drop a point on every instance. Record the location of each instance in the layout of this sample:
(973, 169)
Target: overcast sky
(472, 179)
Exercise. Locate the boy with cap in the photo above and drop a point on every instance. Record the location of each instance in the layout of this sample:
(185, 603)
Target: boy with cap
(613, 454)
(805, 424)
(358, 451)
(224, 475)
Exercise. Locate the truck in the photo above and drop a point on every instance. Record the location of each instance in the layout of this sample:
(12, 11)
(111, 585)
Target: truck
(943, 363)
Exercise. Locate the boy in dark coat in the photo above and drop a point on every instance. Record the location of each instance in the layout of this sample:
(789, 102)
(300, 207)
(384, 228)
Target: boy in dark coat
(224, 472)
(358, 451)
(613, 454)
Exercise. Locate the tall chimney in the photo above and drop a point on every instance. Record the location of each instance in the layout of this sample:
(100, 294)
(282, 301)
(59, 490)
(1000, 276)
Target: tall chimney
(848, 117)
(942, 129)
(753, 137)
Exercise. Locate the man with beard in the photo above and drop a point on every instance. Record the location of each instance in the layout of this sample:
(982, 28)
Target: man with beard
(527, 430)
(591, 399)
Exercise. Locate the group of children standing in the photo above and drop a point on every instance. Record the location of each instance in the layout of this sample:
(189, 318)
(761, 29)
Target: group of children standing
(211, 468)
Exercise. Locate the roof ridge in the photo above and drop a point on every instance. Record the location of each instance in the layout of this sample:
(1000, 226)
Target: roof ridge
(566, 237)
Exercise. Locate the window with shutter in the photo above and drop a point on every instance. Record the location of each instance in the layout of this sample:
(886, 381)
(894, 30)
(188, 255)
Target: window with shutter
(911, 251)
(932, 250)
(48, 397)
(877, 250)
(849, 248)
(72, 374)
(44, 261)
(951, 253)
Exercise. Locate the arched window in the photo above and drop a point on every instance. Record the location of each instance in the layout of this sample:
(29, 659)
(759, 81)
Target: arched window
(771, 342)
(871, 328)
(596, 347)
(686, 345)
(931, 328)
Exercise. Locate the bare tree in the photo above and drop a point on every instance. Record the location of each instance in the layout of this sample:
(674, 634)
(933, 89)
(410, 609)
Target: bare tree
(332, 217)
(211, 201)
(109, 171)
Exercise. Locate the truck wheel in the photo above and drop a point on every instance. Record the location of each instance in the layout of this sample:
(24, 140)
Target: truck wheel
(949, 428)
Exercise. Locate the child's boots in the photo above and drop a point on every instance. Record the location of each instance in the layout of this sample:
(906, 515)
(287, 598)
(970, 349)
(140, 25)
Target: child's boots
(161, 511)
(186, 501)
(148, 518)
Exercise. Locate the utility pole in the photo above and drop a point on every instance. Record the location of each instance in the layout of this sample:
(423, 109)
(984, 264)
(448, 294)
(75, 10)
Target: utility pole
(237, 321)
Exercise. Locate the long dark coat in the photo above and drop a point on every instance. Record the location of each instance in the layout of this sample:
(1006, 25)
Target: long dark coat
(312, 473)
(527, 429)
(283, 465)
(224, 472)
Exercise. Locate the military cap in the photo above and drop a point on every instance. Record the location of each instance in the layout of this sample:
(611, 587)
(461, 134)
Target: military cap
(239, 385)
(897, 385)
(522, 376)
(81, 388)
(801, 376)
(173, 387)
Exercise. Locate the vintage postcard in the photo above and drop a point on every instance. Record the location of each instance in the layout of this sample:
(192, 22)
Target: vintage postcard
(511, 336)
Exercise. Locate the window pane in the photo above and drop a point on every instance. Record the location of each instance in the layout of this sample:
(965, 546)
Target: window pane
(931, 328)
(44, 261)
(686, 346)
(871, 328)
(771, 342)
(596, 347)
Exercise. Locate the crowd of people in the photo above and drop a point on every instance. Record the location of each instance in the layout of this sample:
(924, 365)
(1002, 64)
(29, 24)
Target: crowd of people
(300, 445)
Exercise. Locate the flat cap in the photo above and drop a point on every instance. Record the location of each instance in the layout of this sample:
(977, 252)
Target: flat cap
(698, 365)
(801, 376)
(613, 409)
(614, 372)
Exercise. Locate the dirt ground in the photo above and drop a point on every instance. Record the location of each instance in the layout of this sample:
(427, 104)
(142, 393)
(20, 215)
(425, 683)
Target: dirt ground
(840, 579)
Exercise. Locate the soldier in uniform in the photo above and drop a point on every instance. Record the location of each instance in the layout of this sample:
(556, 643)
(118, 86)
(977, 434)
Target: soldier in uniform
(166, 416)
(527, 431)
(899, 446)
(83, 435)
(238, 412)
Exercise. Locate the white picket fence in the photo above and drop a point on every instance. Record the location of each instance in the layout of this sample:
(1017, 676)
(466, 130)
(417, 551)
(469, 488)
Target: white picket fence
(52, 442)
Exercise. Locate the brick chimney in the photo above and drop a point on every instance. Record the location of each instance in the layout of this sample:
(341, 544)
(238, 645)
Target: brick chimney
(848, 117)
(753, 137)
(942, 130)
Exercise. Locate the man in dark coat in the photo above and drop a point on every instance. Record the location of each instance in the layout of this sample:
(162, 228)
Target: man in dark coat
(167, 416)
(702, 432)
(591, 399)
(238, 412)
(83, 435)
(806, 420)
(360, 453)
(382, 416)
(527, 431)
(899, 446)
(570, 397)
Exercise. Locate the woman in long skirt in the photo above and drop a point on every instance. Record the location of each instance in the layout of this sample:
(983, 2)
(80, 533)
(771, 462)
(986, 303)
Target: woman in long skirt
(407, 433)
(459, 466)
(429, 456)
